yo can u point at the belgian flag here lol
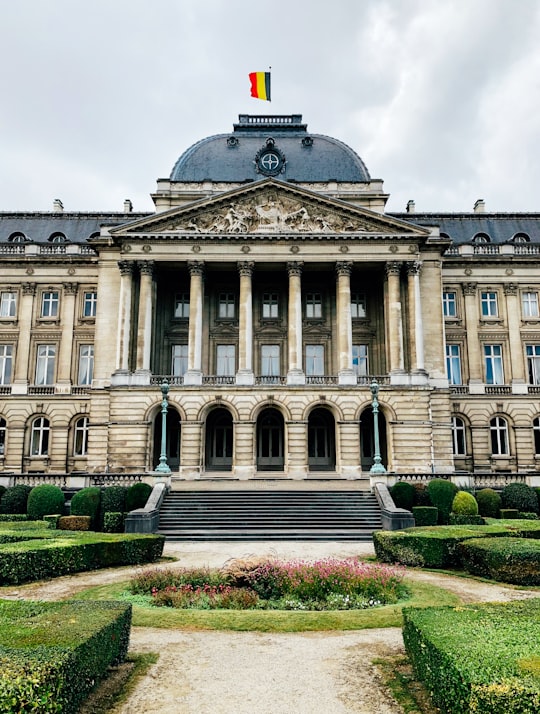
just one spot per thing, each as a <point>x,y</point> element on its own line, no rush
<point>260,85</point>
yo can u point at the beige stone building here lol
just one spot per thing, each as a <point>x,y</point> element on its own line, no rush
<point>269,289</point>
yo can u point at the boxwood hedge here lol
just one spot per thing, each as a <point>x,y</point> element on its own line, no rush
<point>509,560</point>
<point>51,654</point>
<point>477,658</point>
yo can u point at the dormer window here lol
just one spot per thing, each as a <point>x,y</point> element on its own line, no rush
<point>17,238</point>
<point>58,238</point>
<point>481,238</point>
<point>520,238</point>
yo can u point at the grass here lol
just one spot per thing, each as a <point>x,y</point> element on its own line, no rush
<point>399,678</point>
<point>422,595</point>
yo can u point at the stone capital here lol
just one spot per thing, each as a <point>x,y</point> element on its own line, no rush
<point>246,267</point>
<point>344,267</point>
<point>146,267</point>
<point>469,288</point>
<point>393,267</point>
<point>294,267</point>
<point>414,268</point>
<point>29,288</point>
<point>70,288</point>
<point>196,267</point>
<point>510,288</point>
<point>126,267</point>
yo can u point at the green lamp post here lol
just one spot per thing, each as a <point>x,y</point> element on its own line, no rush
<point>163,466</point>
<point>377,467</point>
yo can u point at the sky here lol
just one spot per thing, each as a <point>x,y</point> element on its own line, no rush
<point>440,98</point>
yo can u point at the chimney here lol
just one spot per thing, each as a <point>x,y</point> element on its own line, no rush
<point>128,206</point>
<point>410,206</point>
<point>58,206</point>
<point>480,206</point>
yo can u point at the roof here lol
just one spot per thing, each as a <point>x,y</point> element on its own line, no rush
<point>76,227</point>
<point>301,156</point>
<point>463,227</point>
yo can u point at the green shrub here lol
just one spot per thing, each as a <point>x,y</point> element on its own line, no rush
<point>489,503</point>
<point>425,515</point>
<point>52,520</point>
<point>509,513</point>
<point>15,499</point>
<point>12,517</point>
<point>464,504</point>
<point>442,494</point>
<point>471,657</point>
<point>460,519</point>
<point>86,503</point>
<point>113,499</point>
<point>113,522</point>
<point>137,496</point>
<point>2,491</point>
<point>529,516</point>
<point>537,491</point>
<point>421,495</point>
<point>402,494</point>
<point>519,496</point>
<point>44,500</point>
<point>507,560</point>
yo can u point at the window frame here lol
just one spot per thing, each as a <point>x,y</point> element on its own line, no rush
<point>448,301</point>
<point>6,363</point>
<point>498,427</point>
<point>453,364</point>
<point>489,306</point>
<point>181,306</point>
<point>532,309</point>
<point>490,364</point>
<point>361,368</point>
<point>313,303</point>
<point>226,305</point>
<point>178,360</point>
<point>89,300</point>
<point>40,437</point>
<point>10,302</point>
<point>270,304</point>
<point>225,363</point>
<point>270,364</point>
<point>80,436</point>
<point>88,371</point>
<point>48,361</point>
<point>50,306</point>
<point>358,305</point>
<point>459,436</point>
<point>315,362</point>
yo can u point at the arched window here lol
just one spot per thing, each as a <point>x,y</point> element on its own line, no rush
<point>17,237</point>
<point>481,238</point>
<point>520,238</point>
<point>3,430</point>
<point>498,427</point>
<point>58,238</point>
<point>39,442</point>
<point>536,432</point>
<point>80,440</point>
<point>459,441</point>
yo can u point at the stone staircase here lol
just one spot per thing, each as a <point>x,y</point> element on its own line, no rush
<point>256,515</point>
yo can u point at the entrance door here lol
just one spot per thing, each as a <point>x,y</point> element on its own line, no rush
<point>321,441</point>
<point>270,441</point>
<point>172,443</point>
<point>219,440</point>
<point>367,439</point>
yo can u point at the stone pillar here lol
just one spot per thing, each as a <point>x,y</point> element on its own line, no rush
<point>191,446</point>
<point>245,344</point>
<point>346,374</point>
<point>295,374</point>
<point>66,344</point>
<point>193,375</point>
<point>146,311</point>
<point>20,376</point>
<point>244,450</point>
<point>471,326</point>
<point>394,321</point>
<point>513,315</point>
<point>416,329</point>
<point>124,315</point>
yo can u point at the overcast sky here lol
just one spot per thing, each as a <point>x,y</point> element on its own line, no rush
<point>441,98</point>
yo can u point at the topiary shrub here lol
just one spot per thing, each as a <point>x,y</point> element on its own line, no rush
<point>113,522</point>
<point>442,494</point>
<point>86,503</point>
<point>425,515</point>
<point>464,504</point>
<point>137,496</point>
<point>461,519</point>
<point>421,495</point>
<point>520,496</point>
<point>489,503</point>
<point>44,500</point>
<point>15,499</point>
<point>113,500</point>
<point>509,513</point>
<point>402,494</point>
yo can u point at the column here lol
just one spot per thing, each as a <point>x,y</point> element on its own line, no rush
<point>394,321</point>
<point>346,374</point>
<point>245,341</point>
<point>471,326</point>
<point>194,370</point>
<point>146,311</point>
<point>124,315</point>
<point>513,315</point>
<point>20,376</point>
<point>66,343</point>
<point>295,374</point>
<point>416,329</point>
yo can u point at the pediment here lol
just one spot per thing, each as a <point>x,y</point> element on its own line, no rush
<point>270,207</point>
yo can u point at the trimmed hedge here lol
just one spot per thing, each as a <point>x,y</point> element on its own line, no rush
<point>519,496</point>
<point>86,502</point>
<point>44,500</point>
<point>425,515</point>
<point>508,560</point>
<point>15,499</point>
<point>74,523</point>
<point>489,503</point>
<point>51,654</point>
<point>458,519</point>
<point>137,496</point>
<point>113,522</point>
<point>509,513</point>
<point>474,658</point>
<point>113,500</point>
<point>442,494</point>
<point>11,517</point>
<point>403,494</point>
<point>464,504</point>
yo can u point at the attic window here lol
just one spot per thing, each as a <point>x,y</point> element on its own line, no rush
<point>17,238</point>
<point>520,238</point>
<point>481,238</point>
<point>58,238</point>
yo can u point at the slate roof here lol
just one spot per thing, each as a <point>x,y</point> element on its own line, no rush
<point>77,227</point>
<point>462,227</point>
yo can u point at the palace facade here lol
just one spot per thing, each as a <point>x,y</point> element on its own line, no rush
<point>269,289</point>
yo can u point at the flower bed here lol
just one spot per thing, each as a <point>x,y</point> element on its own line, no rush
<point>272,584</point>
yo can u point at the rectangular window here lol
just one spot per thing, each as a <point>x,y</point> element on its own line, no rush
<point>90,303</point>
<point>533,363</point>
<point>314,360</point>
<point>8,304</point>
<point>458,437</point>
<point>80,445</point>
<point>270,366</point>
<point>360,360</point>
<point>6,356</point>
<point>493,364</point>
<point>46,355</point>
<point>270,306</point>
<point>179,360</point>
<point>181,306</point>
<point>313,306</point>
<point>358,305</point>
<point>226,306</point>
<point>529,304</point>
<point>449,304</point>
<point>49,304</point>
<point>226,360</point>
<point>489,304</point>
<point>86,364</point>
<point>453,364</point>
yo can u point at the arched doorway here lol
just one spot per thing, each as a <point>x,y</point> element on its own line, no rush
<point>270,433</point>
<point>367,439</point>
<point>172,439</point>
<point>321,441</point>
<point>219,440</point>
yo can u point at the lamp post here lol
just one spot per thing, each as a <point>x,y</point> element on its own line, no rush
<point>163,467</point>
<point>377,467</point>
